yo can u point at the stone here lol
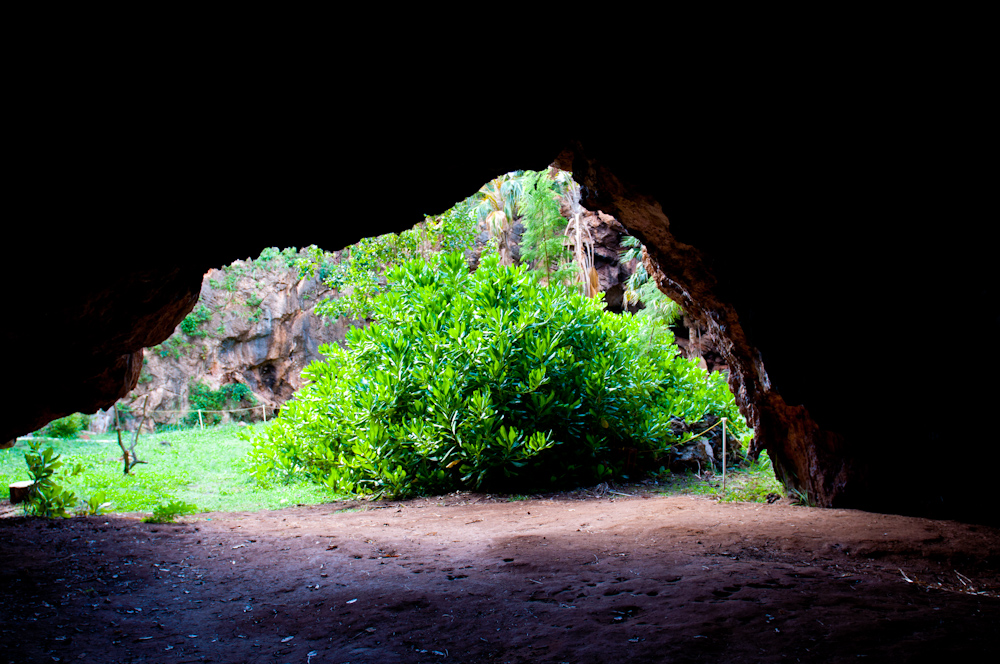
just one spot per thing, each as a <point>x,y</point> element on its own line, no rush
<point>265,346</point>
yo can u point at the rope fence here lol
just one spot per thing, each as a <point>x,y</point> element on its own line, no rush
<point>201,421</point>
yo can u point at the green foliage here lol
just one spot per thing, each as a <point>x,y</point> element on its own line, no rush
<point>754,483</point>
<point>66,427</point>
<point>313,261</point>
<point>232,277</point>
<point>96,504</point>
<point>206,467</point>
<point>48,498</point>
<point>273,258</point>
<point>360,276</point>
<point>174,347</point>
<point>170,511</point>
<point>484,381</point>
<point>498,206</point>
<point>228,397</point>
<point>641,289</point>
<point>544,227</point>
<point>192,322</point>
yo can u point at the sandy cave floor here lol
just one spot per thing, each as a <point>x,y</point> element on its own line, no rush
<point>467,578</point>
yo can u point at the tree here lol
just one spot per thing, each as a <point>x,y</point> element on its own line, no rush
<point>543,245</point>
<point>498,207</point>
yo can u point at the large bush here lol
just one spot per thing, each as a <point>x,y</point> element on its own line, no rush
<point>66,427</point>
<point>487,381</point>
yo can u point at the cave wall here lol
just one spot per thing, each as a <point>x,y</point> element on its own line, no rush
<point>805,457</point>
<point>788,237</point>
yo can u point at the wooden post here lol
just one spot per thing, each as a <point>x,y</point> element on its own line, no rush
<point>723,457</point>
<point>200,422</point>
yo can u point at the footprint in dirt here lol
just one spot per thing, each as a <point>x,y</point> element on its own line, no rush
<point>726,592</point>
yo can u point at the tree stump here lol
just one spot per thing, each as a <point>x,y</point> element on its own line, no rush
<point>19,491</point>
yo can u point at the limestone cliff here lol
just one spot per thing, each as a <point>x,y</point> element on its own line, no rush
<point>254,324</point>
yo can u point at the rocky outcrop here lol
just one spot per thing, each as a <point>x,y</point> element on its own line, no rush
<point>252,325</point>
<point>805,456</point>
<point>606,233</point>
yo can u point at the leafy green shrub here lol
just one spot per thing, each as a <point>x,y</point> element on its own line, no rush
<point>96,504</point>
<point>167,513</point>
<point>272,258</point>
<point>48,498</point>
<point>174,347</point>
<point>192,322</point>
<point>361,275</point>
<point>66,427</point>
<point>228,397</point>
<point>484,381</point>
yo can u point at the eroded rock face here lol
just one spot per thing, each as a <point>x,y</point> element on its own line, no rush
<point>606,233</point>
<point>804,456</point>
<point>262,332</point>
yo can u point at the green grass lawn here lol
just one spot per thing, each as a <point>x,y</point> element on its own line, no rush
<point>204,467</point>
<point>207,468</point>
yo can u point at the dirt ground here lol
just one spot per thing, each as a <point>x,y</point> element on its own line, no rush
<point>469,578</point>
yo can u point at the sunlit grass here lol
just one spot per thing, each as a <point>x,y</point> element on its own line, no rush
<point>752,483</point>
<point>204,467</point>
<point>207,468</point>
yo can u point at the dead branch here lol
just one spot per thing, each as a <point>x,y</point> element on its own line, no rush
<point>129,455</point>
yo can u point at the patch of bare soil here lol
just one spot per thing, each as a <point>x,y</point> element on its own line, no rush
<point>465,578</point>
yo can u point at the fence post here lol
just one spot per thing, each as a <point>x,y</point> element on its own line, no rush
<point>263,408</point>
<point>200,422</point>
<point>723,457</point>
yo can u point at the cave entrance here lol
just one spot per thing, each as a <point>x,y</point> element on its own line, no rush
<point>260,322</point>
<point>271,316</point>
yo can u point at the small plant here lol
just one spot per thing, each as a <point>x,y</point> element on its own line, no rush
<point>47,498</point>
<point>96,504</point>
<point>167,513</point>
<point>801,498</point>
<point>191,325</point>
<point>173,347</point>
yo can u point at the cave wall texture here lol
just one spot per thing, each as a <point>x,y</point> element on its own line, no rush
<point>821,247</point>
